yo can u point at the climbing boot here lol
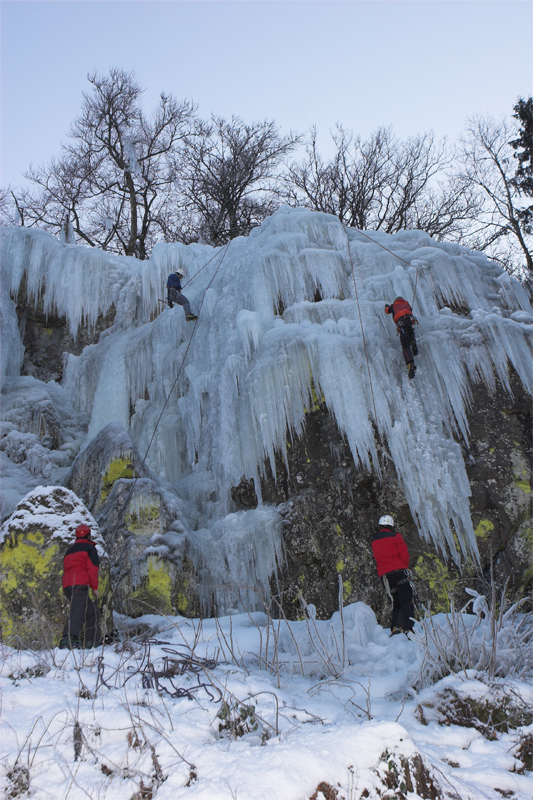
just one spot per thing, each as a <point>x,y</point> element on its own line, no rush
<point>69,643</point>
<point>395,631</point>
<point>414,348</point>
<point>411,369</point>
<point>190,317</point>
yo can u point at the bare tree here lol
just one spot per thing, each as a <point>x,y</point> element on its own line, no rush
<point>382,183</point>
<point>11,210</point>
<point>488,165</point>
<point>227,173</point>
<point>116,174</point>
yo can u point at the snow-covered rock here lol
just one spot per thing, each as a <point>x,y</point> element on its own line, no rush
<point>33,541</point>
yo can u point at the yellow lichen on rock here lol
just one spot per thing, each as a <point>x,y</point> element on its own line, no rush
<point>435,574</point>
<point>118,468</point>
<point>144,518</point>
<point>483,528</point>
<point>153,596</point>
<point>30,594</point>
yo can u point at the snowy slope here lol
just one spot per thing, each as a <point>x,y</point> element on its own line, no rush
<point>98,726</point>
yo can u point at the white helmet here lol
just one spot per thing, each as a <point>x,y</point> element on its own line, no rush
<point>386,520</point>
<point>179,272</point>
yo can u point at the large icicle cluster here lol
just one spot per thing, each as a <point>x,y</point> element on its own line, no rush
<point>281,314</point>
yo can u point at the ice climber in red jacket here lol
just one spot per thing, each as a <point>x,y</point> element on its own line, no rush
<point>402,314</point>
<point>80,573</point>
<point>392,562</point>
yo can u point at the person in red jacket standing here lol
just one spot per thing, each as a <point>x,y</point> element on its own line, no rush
<point>80,573</point>
<point>392,562</point>
<point>402,314</point>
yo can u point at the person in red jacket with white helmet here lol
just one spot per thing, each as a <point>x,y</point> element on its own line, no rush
<point>402,314</point>
<point>392,562</point>
<point>80,573</point>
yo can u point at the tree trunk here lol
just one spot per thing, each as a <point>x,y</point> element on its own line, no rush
<point>233,229</point>
<point>132,241</point>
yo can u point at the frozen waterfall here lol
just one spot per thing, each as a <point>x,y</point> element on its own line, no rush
<point>280,317</point>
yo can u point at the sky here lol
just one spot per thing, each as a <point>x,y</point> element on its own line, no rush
<point>417,65</point>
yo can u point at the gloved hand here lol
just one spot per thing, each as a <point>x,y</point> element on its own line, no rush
<point>387,309</point>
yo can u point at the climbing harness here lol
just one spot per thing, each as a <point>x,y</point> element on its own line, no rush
<point>399,324</point>
<point>408,579</point>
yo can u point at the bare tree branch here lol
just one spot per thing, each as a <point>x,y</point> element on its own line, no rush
<point>487,164</point>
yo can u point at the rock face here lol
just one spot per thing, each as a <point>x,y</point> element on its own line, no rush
<point>47,339</point>
<point>132,510</point>
<point>33,541</point>
<point>331,509</point>
<point>499,470</point>
<point>251,370</point>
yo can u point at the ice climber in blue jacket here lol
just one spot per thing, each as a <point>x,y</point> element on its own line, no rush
<point>174,294</point>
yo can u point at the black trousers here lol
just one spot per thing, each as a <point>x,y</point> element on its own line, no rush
<point>402,599</point>
<point>407,335</point>
<point>82,611</point>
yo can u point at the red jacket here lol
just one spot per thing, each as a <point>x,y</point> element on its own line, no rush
<point>80,565</point>
<point>399,309</point>
<point>390,551</point>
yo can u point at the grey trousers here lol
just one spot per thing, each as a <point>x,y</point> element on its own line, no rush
<point>177,297</point>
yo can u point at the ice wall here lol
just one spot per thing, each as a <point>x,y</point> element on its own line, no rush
<point>278,314</point>
<point>12,349</point>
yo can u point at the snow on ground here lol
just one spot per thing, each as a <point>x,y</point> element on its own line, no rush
<point>106,724</point>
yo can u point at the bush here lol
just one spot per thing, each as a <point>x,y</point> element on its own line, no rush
<point>495,640</point>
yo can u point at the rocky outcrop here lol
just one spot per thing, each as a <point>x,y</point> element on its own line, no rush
<point>132,510</point>
<point>331,508</point>
<point>47,339</point>
<point>33,541</point>
<point>251,373</point>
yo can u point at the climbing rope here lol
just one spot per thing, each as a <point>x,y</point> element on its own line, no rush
<point>392,254</point>
<point>138,471</point>
<point>114,531</point>
<point>185,354</point>
<point>380,459</point>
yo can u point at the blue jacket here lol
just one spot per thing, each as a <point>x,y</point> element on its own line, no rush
<point>174,282</point>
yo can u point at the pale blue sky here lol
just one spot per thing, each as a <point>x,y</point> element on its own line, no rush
<point>414,64</point>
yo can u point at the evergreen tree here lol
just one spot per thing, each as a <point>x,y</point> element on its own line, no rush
<point>523,146</point>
